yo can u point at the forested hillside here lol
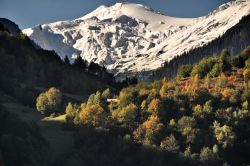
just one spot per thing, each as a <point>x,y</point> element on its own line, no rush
<point>25,69</point>
<point>199,118</point>
<point>55,113</point>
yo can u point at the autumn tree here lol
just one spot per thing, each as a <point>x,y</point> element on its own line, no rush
<point>69,112</point>
<point>164,90</point>
<point>246,75</point>
<point>155,107</point>
<point>92,114</point>
<point>149,131</point>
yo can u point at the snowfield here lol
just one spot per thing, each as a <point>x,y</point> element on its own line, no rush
<point>129,38</point>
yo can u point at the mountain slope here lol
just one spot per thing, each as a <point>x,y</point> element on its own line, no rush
<point>129,38</point>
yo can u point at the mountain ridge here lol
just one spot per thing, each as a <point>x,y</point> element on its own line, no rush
<point>130,43</point>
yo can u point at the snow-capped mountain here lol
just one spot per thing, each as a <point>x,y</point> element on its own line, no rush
<point>129,38</point>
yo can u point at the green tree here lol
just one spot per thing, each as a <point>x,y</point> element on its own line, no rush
<point>126,115</point>
<point>207,81</point>
<point>203,112</point>
<point>187,128</point>
<point>55,98</point>
<point>185,71</point>
<point>49,101</point>
<point>223,134</point>
<point>106,94</point>
<point>97,98</point>
<point>225,60</point>
<point>216,70</point>
<point>66,60</point>
<point>203,67</point>
<point>91,99</point>
<point>245,54</point>
<point>128,96</point>
<point>221,82</point>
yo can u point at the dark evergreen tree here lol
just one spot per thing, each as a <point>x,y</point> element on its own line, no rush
<point>66,60</point>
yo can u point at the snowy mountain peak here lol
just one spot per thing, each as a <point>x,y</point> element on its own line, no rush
<point>128,38</point>
<point>118,9</point>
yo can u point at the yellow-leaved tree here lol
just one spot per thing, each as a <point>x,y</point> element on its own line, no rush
<point>92,114</point>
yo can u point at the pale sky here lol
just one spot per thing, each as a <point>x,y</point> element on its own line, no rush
<point>28,13</point>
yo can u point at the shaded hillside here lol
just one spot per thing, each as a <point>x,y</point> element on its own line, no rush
<point>10,26</point>
<point>21,142</point>
<point>24,69</point>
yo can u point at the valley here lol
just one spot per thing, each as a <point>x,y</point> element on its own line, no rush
<point>127,86</point>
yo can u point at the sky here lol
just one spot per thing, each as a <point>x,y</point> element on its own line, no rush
<point>28,13</point>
